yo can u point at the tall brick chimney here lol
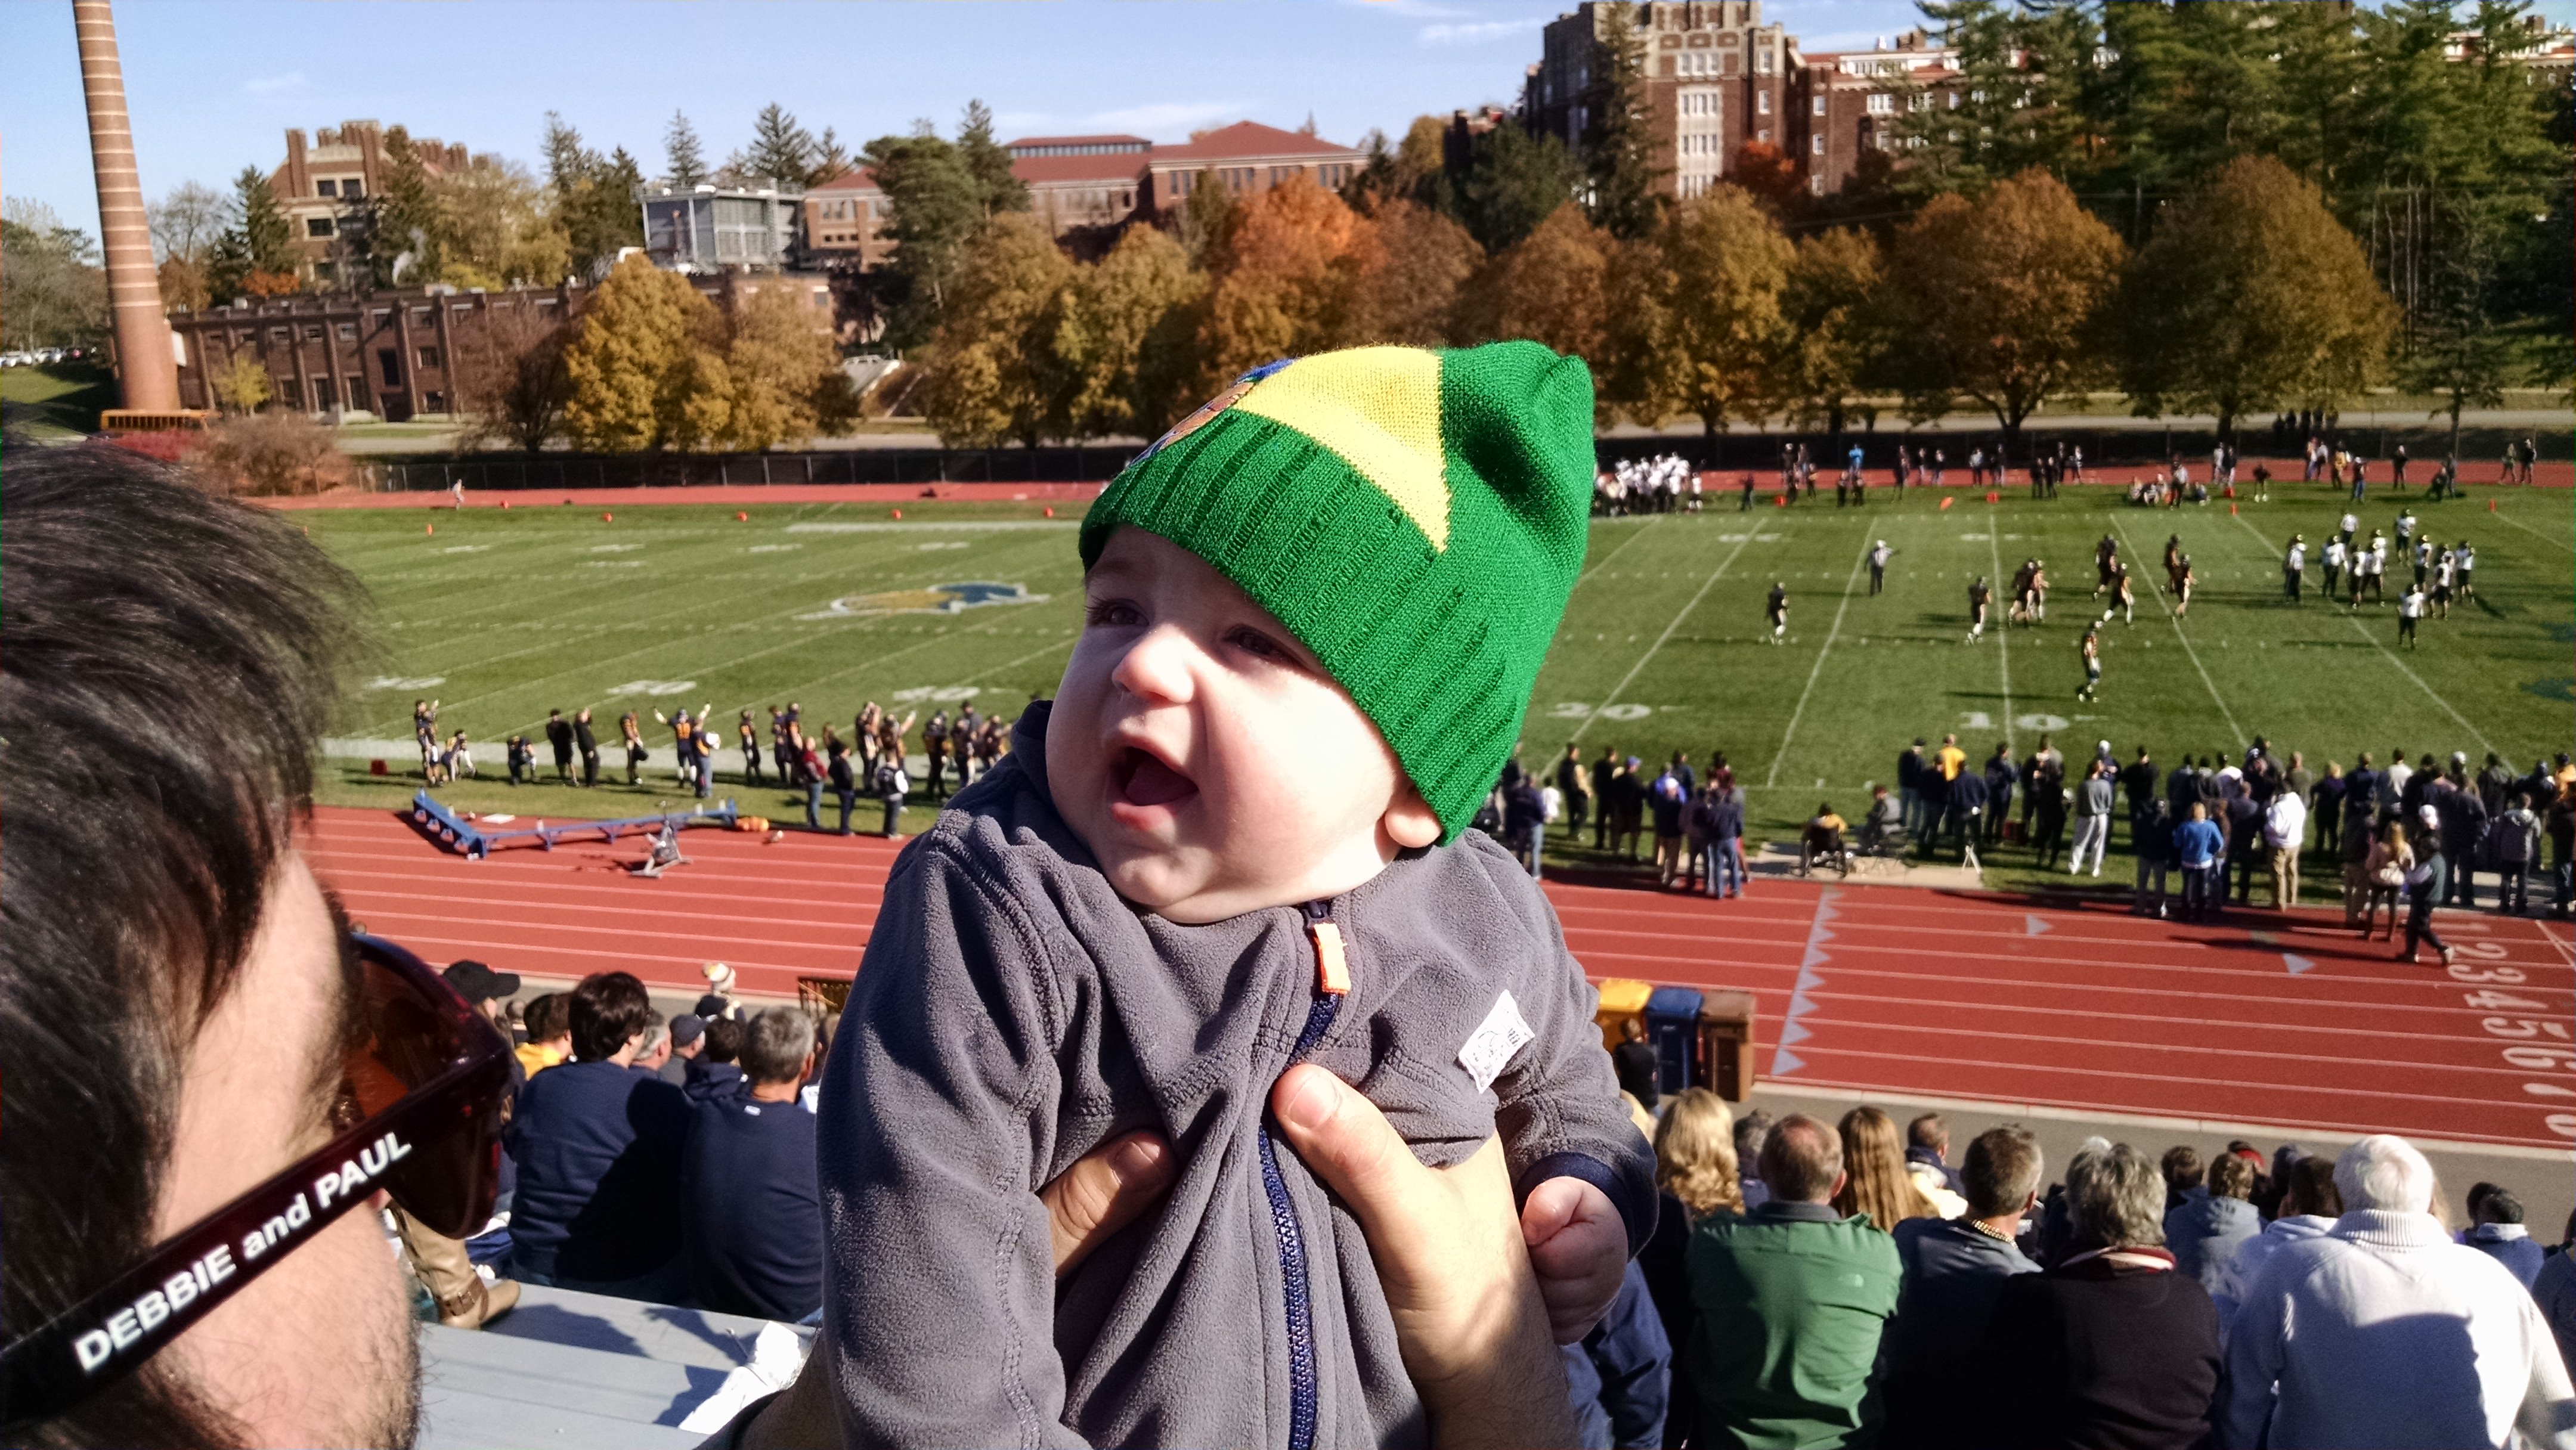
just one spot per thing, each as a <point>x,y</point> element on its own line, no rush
<point>147,369</point>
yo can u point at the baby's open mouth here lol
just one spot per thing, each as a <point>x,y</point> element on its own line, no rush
<point>1143,780</point>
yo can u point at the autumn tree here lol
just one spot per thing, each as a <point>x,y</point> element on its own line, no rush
<point>785,376</point>
<point>185,223</point>
<point>1768,175</point>
<point>646,368</point>
<point>1413,292</point>
<point>495,228</point>
<point>2001,299</point>
<point>1292,280</point>
<point>1125,338</point>
<point>241,385</point>
<point>2251,296</point>
<point>515,387</point>
<point>1207,219</point>
<point>1555,288</point>
<point>255,255</point>
<point>1619,146</point>
<point>1834,338</point>
<point>938,193</point>
<point>996,373</point>
<point>1709,329</point>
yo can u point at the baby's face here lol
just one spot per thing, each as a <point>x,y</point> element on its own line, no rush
<point>1204,755</point>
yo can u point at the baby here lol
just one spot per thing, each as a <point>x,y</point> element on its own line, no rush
<point>1314,612</point>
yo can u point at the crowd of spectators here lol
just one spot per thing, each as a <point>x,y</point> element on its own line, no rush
<point>1817,1285</point>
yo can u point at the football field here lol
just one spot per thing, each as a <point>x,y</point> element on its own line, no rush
<point>502,614</point>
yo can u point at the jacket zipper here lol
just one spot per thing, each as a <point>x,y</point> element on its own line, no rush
<point>1332,980</point>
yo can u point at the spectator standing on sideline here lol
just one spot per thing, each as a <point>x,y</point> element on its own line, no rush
<point>845,781</point>
<point>2092,818</point>
<point>2109,1346</point>
<point>2002,777</point>
<point>1726,870</point>
<point>2151,836</point>
<point>1792,1300</point>
<point>1664,801</point>
<point>892,785</point>
<point>1909,786</point>
<point>1953,1271</point>
<point>586,741</point>
<point>2197,844</point>
<point>1604,772</point>
<point>598,1148</point>
<point>2214,1220</point>
<point>1524,817</point>
<point>2309,1207</point>
<point>1967,805</point>
<point>751,1209</point>
<point>1575,785</point>
<point>559,735</point>
<point>2423,879</point>
<point>2285,826</point>
<point>2385,1332</point>
<point>632,732</point>
<point>2517,848</point>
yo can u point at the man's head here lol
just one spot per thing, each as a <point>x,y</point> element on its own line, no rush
<point>2308,1187</point>
<point>1752,1130</point>
<point>2118,1202</point>
<point>2002,1171</point>
<point>2199,812</point>
<point>724,1040</point>
<point>2499,1206</point>
<point>610,1013</point>
<point>655,1049</point>
<point>688,1035</point>
<point>176,991</point>
<point>2384,1172</point>
<point>2181,1165</point>
<point>486,990</point>
<point>549,1022</point>
<point>1802,1160</point>
<point>1928,1131</point>
<point>2230,1177</point>
<point>1314,611</point>
<point>1632,1029</point>
<point>777,1046</point>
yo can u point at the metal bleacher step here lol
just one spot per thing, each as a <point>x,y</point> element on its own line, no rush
<point>581,1371</point>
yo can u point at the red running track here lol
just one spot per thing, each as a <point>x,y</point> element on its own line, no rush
<point>736,495</point>
<point>2272,1020</point>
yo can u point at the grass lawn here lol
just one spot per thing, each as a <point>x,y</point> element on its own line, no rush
<point>59,400</point>
<point>503,614</point>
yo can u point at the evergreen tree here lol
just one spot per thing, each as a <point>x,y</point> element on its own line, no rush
<point>782,152</point>
<point>1513,182</point>
<point>996,185</point>
<point>684,163</point>
<point>256,253</point>
<point>1619,143</point>
<point>404,245</point>
<point>933,203</point>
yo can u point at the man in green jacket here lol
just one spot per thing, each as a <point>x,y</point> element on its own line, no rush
<point>1791,1301</point>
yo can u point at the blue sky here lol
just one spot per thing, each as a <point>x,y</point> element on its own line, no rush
<point>213,86</point>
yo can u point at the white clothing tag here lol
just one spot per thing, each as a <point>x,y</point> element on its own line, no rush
<point>1490,1047</point>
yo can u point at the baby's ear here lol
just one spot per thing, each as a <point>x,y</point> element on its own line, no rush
<point>1409,820</point>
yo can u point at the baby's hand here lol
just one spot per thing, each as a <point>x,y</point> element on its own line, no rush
<point>1579,1248</point>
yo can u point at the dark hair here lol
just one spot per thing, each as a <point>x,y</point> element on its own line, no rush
<point>724,1040</point>
<point>1927,1131</point>
<point>607,1009</point>
<point>2312,1187</point>
<point>2230,1176</point>
<point>172,660</point>
<point>2500,1206</point>
<point>2002,1168</point>
<point>1801,1158</point>
<point>548,1017</point>
<point>2182,1167</point>
<point>776,1044</point>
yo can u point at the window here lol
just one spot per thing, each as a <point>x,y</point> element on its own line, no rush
<point>348,331</point>
<point>323,271</point>
<point>313,332</point>
<point>389,364</point>
<point>384,315</point>
<point>428,356</point>
<point>326,187</point>
<point>318,226</point>
<point>1881,103</point>
<point>424,316</point>
<point>1763,135</point>
<point>281,334</point>
<point>1819,145</point>
<point>1954,100</point>
<point>357,387</point>
<point>433,402</point>
<point>1762,102</point>
<point>351,189</point>
<point>324,395</point>
<point>1820,105</point>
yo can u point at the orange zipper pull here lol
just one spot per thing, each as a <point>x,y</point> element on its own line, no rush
<point>1332,968</point>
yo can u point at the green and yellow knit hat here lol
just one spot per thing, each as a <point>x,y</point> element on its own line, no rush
<point>1416,517</point>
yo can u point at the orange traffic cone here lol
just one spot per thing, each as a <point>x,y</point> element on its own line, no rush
<point>898,513</point>
<point>740,517</point>
<point>2231,511</point>
<point>429,528</point>
<point>1050,513</point>
<point>1993,497</point>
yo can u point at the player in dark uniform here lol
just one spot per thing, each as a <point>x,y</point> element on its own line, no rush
<point>1776,609</point>
<point>2106,563</point>
<point>1981,596</point>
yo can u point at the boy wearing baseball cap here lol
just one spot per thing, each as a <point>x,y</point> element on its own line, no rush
<point>1235,841</point>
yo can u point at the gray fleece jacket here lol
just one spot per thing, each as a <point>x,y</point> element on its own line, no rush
<point>1013,1012</point>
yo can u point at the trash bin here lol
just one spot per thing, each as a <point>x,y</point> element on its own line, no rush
<point>1621,999</point>
<point>1672,1024</point>
<point>1726,1044</point>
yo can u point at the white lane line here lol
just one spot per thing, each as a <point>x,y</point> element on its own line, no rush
<point>2234,731</point>
<point>1634,670</point>
<point>2391,656</point>
<point>2501,515</point>
<point>1773,777</point>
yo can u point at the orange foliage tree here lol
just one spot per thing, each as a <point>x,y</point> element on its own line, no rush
<point>1290,278</point>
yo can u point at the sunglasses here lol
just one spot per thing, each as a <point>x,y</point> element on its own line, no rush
<point>419,1117</point>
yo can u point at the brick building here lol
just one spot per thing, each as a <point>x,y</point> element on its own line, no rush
<point>402,353</point>
<point>1716,79</point>
<point>1849,102</point>
<point>317,181</point>
<point>1246,158</point>
<point>1080,181</point>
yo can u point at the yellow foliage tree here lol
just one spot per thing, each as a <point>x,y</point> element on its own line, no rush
<point>646,369</point>
<point>1706,315</point>
<point>1554,287</point>
<point>242,385</point>
<point>1834,341</point>
<point>996,373</point>
<point>495,228</point>
<point>1125,333</point>
<point>1413,293</point>
<point>2003,298</point>
<point>783,372</point>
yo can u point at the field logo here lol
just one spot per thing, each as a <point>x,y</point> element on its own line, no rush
<point>937,599</point>
<point>653,687</point>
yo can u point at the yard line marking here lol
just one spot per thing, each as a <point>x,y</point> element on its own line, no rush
<point>2364,631</point>
<point>1633,670</point>
<point>2003,634</point>
<point>1615,553</point>
<point>2233,729</point>
<point>1773,778</point>
<point>2528,529</point>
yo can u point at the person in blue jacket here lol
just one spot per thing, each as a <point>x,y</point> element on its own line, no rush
<point>1619,1375</point>
<point>2197,845</point>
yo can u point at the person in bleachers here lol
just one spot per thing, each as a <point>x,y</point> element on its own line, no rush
<point>2385,1332</point>
<point>2111,1346</point>
<point>1696,1167</point>
<point>1616,1376</point>
<point>2497,1232</point>
<point>751,1211</point>
<point>598,1148</point>
<point>715,1073</point>
<point>1953,1270</point>
<point>2309,1206</point>
<point>2214,1220</point>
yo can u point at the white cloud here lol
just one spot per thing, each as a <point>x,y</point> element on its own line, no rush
<point>264,85</point>
<point>1476,32</point>
<point>1172,119</point>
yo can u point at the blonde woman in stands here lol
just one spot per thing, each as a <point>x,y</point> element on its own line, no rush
<point>1696,1167</point>
<point>1877,1182</point>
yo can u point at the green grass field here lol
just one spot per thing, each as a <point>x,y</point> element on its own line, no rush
<point>502,614</point>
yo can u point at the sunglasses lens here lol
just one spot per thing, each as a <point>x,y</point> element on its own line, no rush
<point>418,1032</point>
